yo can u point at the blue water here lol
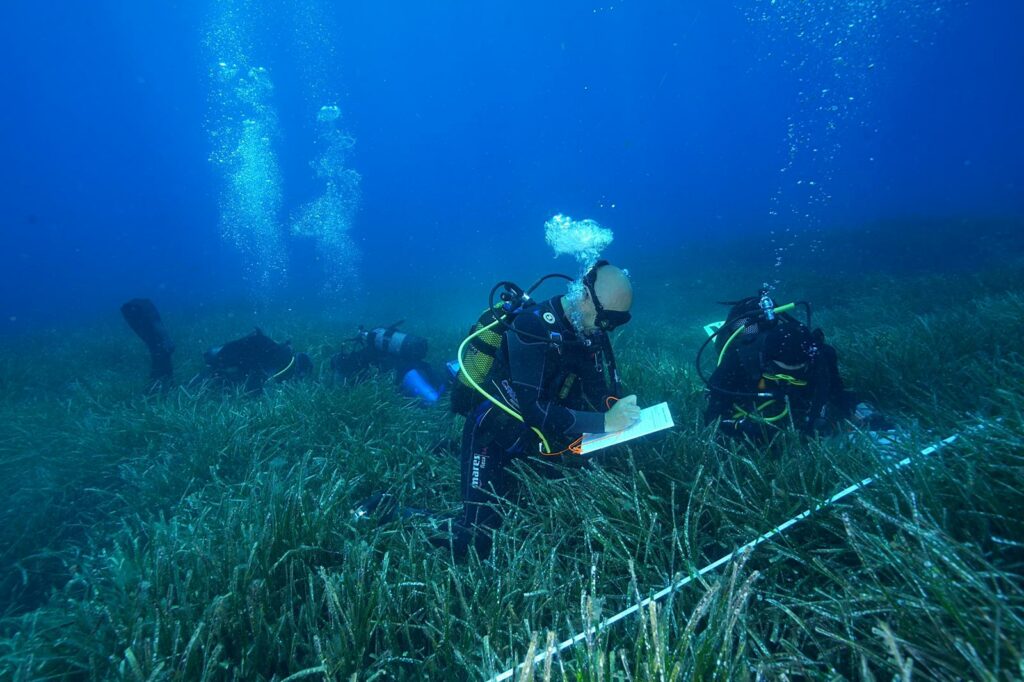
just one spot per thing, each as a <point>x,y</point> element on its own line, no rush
<point>671,123</point>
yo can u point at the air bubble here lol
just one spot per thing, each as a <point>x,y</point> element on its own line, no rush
<point>584,240</point>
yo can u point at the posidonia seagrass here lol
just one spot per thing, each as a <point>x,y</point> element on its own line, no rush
<point>210,536</point>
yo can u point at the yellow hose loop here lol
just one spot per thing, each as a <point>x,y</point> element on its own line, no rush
<point>786,378</point>
<point>740,412</point>
<point>286,368</point>
<point>781,309</point>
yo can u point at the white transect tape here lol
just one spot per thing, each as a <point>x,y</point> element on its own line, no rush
<point>658,596</point>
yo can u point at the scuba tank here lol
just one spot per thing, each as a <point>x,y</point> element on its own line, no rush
<point>484,337</point>
<point>477,360</point>
<point>390,341</point>
<point>746,320</point>
<point>754,329</point>
<point>388,349</point>
<point>380,346</point>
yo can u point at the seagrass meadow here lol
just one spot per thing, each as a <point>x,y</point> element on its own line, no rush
<point>200,535</point>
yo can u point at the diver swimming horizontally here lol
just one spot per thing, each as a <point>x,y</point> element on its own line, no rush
<point>255,359</point>
<point>250,361</point>
<point>386,349</point>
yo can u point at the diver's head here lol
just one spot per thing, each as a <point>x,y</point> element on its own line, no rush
<point>606,298</point>
<point>790,348</point>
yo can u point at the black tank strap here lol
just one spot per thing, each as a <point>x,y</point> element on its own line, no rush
<point>613,368</point>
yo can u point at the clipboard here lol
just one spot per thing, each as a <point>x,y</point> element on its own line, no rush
<point>652,419</point>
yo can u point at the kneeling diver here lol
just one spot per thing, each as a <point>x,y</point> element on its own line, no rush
<point>773,371</point>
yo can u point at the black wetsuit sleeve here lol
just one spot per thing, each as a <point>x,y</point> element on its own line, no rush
<point>528,352</point>
<point>727,384</point>
<point>832,390</point>
<point>725,381</point>
<point>835,382</point>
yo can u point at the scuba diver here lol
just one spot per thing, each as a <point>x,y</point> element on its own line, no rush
<point>773,371</point>
<point>250,361</point>
<point>532,381</point>
<point>254,360</point>
<point>144,319</point>
<point>386,349</point>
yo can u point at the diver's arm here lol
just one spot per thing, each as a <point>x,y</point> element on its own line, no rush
<point>724,380</point>
<point>829,359</point>
<point>527,355</point>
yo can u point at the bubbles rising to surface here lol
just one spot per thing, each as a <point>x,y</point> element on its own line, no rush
<point>244,131</point>
<point>249,206</point>
<point>328,113</point>
<point>243,127</point>
<point>584,240</point>
<point>833,50</point>
<point>328,219</point>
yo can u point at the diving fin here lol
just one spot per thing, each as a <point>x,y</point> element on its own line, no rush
<point>144,319</point>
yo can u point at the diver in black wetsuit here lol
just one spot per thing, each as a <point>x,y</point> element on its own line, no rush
<point>144,319</point>
<point>773,373</point>
<point>550,370</point>
<point>385,349</point>
<point>253,360</point>
<point>250,361</point>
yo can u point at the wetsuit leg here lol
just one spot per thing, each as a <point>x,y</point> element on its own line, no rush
<point>488,447</point>
<point>144,319</point>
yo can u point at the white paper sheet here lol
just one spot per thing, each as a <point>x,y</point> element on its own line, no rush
<point>654,418</point>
